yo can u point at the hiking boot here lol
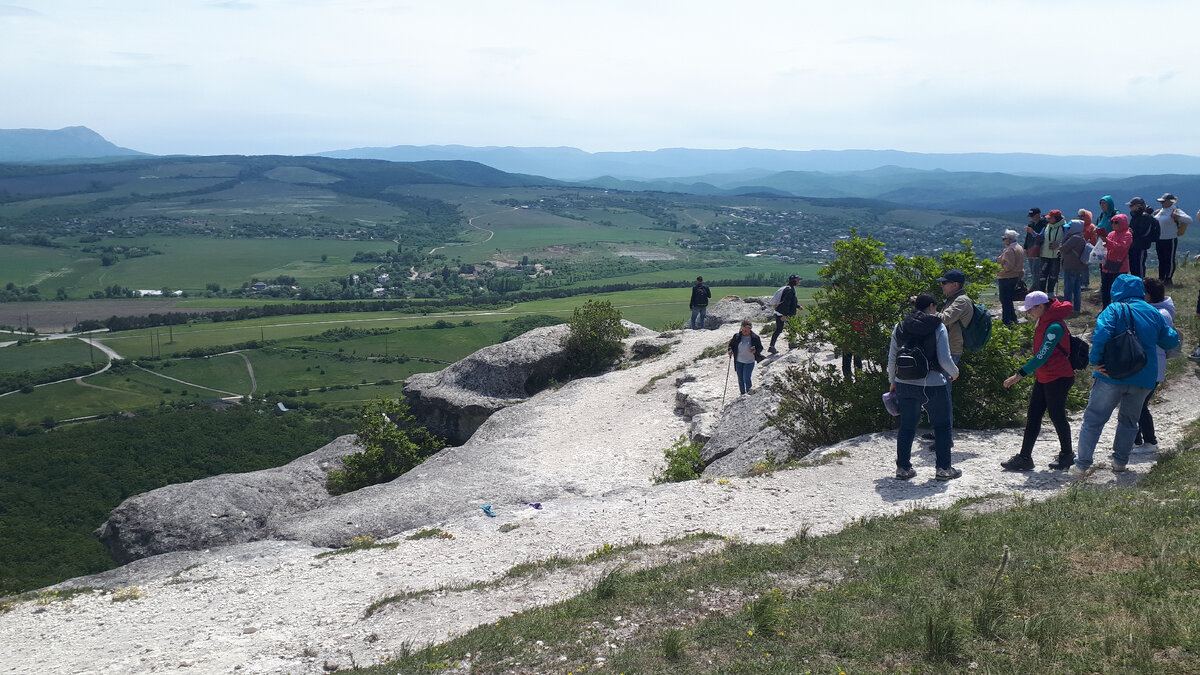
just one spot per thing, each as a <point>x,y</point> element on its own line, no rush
<point>948,474</point>
<point>905,474</point>
<point>1078,472</point>
<point>1118,467</point>
<point>1147,447</point>
<point>772,350</point>
<point>1018,463</point>
<point>1063,462</point>
<point>927,437</point>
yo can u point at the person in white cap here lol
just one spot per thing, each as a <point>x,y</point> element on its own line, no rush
<point>1054,376</point>
<point>1172,222</point>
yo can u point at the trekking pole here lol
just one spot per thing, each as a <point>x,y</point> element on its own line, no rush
<point>728,367</point>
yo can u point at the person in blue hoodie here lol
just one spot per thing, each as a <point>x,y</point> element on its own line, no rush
<point>1128,308</point>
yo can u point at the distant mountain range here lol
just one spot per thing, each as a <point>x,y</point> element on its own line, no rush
<point>68,143</point>
<point>983,182</point>
<point>573,164</point>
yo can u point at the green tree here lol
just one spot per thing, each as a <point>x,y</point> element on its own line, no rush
<point>392,441</point>
<point>595,338</point>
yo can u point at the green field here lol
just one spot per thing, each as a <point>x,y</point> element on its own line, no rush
<point>47,354</point>
<point>186,263</point>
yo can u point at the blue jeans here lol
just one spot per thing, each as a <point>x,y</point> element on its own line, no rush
<point>936,401</point>
<point>1073,288</point>
<point>702,312</point>
<point>1127,400</point>
<point>743,374</point>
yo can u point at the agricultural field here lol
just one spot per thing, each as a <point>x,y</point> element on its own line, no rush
<point>186,263</point>
<point>47,354</point>
<point>292,363</point>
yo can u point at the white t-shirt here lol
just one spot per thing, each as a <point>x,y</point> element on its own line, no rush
<point>1168,229</point>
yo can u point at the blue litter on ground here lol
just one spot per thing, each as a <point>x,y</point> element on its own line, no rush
<point>487,508</point>
<point>536,505</point>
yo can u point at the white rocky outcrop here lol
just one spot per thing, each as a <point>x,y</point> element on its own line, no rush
<point>585,453</point>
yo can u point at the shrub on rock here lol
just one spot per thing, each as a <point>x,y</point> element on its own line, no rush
<point>595,338</point>
<point>392,441</point>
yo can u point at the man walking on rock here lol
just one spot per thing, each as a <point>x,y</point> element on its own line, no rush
<point>785,303</point>
<point>699,302</point>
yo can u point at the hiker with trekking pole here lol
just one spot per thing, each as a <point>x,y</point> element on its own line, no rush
<point>745,349</point>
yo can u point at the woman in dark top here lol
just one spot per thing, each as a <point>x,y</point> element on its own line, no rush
<point>745,349</point>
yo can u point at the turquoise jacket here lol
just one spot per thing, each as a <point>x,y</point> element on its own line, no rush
<point>1129,305</point>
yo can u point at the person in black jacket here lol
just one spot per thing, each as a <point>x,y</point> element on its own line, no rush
<point>699,302</point>
<point>786,304</point>
<point>1145,229</point>
<point>745,349</point>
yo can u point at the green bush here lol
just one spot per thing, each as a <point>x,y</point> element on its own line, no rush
<point>818,407</point>
<point>859,303</point>
<point>595,338</point>
<point>392,444</point>
<point>682,462</point>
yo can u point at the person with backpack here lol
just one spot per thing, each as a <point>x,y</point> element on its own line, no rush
<point>1074,267</point>
<point>1173,222</point>
<point>745,348</point>
<point>1156,295</point>
<point>699,302</point>
<point>1126,364</point>
<point>919,369</point>
<point>1053,377</point>
<point>1116,261</point>
<point>957,313</point>
<point>785,304</point>
<point>1144,228</point>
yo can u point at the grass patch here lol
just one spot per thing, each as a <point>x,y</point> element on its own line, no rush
<point>363,543</point>
<point>646,388</point>
<point>1093,580</point>
<point>426,533</point>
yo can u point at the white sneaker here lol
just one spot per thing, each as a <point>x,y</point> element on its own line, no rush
<point>1078,472</point>
<point>1147,447</point>
<point>1118,467</point>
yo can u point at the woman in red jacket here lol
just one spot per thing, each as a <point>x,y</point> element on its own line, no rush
<point>1116,261</point>
<point>1051,365</point>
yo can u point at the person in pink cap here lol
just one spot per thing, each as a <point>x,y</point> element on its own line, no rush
<point>1051,368</point>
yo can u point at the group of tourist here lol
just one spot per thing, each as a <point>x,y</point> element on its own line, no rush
<point>927,344</point>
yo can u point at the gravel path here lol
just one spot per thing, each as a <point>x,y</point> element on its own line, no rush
<point>273,607</point>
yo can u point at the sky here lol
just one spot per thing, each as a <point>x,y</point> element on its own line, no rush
<point>302,76</point>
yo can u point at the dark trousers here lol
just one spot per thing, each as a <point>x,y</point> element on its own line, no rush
<point>1137,262</point>
<point>1106,282</point>
<point>1049,277</point>
<point>1146,423</point>
<point>1008,312</point>
<point>1166,249</point>
<point>847,359</point>
<point>780,322</point>
<point>1050,397</point>
<point>936,401</point>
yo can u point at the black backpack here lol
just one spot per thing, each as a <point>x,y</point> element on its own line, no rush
<point>1124,355</point>
<point>1080,349</point>
<point>911,361</point>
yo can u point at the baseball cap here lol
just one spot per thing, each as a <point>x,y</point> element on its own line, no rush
<point>794,277</point>
<point>1136,201</point>
<point>953,275</point>
<point>1035,211</point>
<point>1167,197</point>
<point>1033,299</point>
